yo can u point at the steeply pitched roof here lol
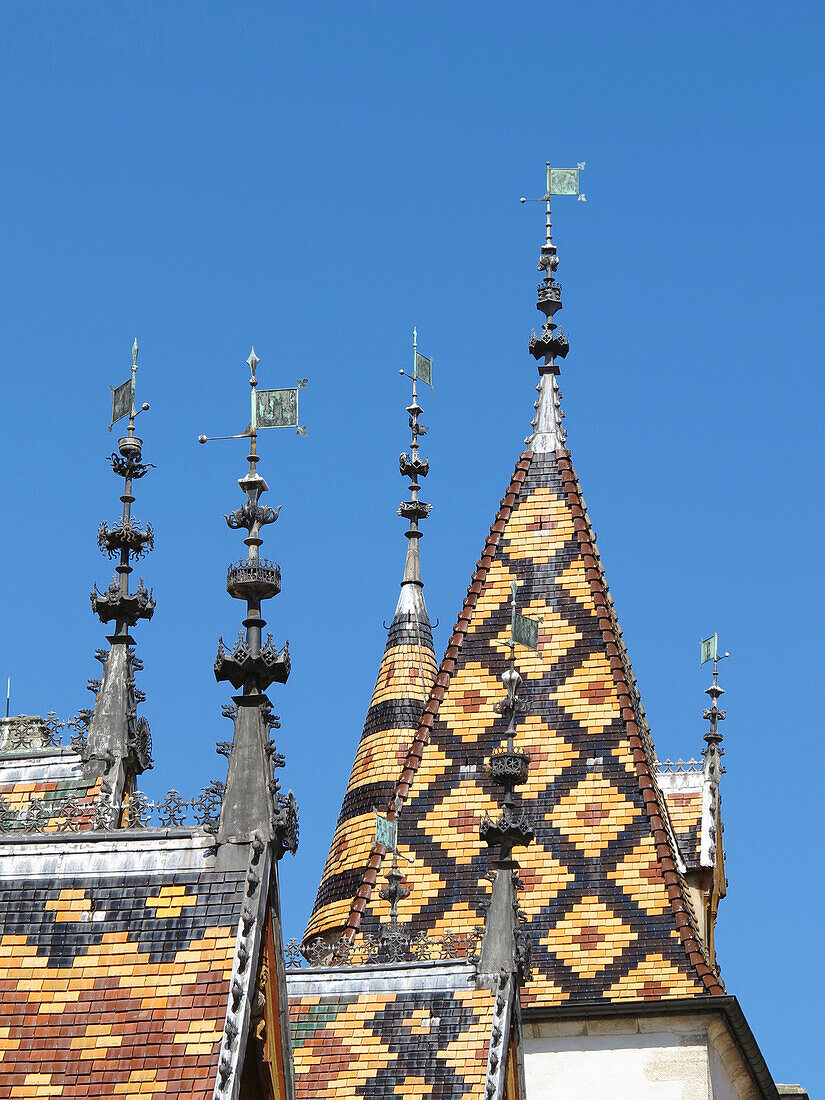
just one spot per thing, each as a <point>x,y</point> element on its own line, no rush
<point>399,1031</point>
<point>124,961</point>
<point>404,679</point>
<point>605,905</point>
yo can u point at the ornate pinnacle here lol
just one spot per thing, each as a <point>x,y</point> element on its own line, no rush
<point>125,538</point>
<point>713,714</point>
<point>411,465</point>
<point>394,939</point>
<point>115,731</point>
<point>508,768</point>
<point>253,666</point>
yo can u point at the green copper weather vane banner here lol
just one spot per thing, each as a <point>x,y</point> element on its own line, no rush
<point>708,649</point>
<point>525,631</point>
<point>564,181</point>
<point>279,408</point>
<point>386,832</point>
<point>122,398</point>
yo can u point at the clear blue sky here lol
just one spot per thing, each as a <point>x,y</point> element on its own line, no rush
<point>315,179</point>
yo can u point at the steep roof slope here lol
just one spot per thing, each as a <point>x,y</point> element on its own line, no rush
<point>118,954</point>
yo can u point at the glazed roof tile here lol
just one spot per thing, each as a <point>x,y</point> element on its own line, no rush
<point>381,1044</point>
<point>405,677</point>
<point>117,955</point>
<point>606,907</point>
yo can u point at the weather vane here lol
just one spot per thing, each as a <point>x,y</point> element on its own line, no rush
<point>123,397</point>
<point>269,409</point>
<point>560,181</point>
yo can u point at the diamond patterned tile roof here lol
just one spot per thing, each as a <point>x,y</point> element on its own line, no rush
<point>117,957</point>
<point>605,904</point>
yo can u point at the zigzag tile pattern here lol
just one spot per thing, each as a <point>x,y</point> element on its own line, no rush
<point>124,978</point>
<point>405,677</point>
<point>381,1045</point>
<point>604,904</point>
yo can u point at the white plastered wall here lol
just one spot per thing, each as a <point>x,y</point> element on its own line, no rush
<point>635,1058</point>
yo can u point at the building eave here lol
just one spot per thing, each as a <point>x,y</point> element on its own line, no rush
<point>726,1005</point>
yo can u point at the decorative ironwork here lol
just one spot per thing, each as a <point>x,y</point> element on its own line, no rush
<point>172,809</point>
<point>285,823</point>
<point>25,732</point>
<point>252,514</point>
<point>258,578</point>
<point>268,666</point>
<point>207,806</point>
<point>507,767</point>
<point>106,809</point>
<point>369,950</point>
<point>113,604</point>
<point>126,534</point>
<point>675,766</point>
<point>138,810</point>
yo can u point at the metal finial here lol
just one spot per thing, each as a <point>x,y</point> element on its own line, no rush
<point>709,651</point>
<point>254,664</point>
<point>134,353</point>
<point>411,465</point>
<point>552,344</point>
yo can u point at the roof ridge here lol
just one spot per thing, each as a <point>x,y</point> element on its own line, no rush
<point>369,876</point>
<point>638,731</point>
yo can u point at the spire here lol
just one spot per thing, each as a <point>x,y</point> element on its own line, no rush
<point>251,801</point>
<point>118,741</point>
<point>548,432</point>
<point>404,680</point>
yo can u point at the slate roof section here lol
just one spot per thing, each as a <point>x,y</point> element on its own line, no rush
<point>122,971</point>
<point>605,904</point>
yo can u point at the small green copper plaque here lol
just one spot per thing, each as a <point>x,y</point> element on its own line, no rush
<point>278,408</point>
<point>385,832</point>
<point>423,369</point>
<point>525,631</point>
<point>564,181</point>
<point>121,402</point>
